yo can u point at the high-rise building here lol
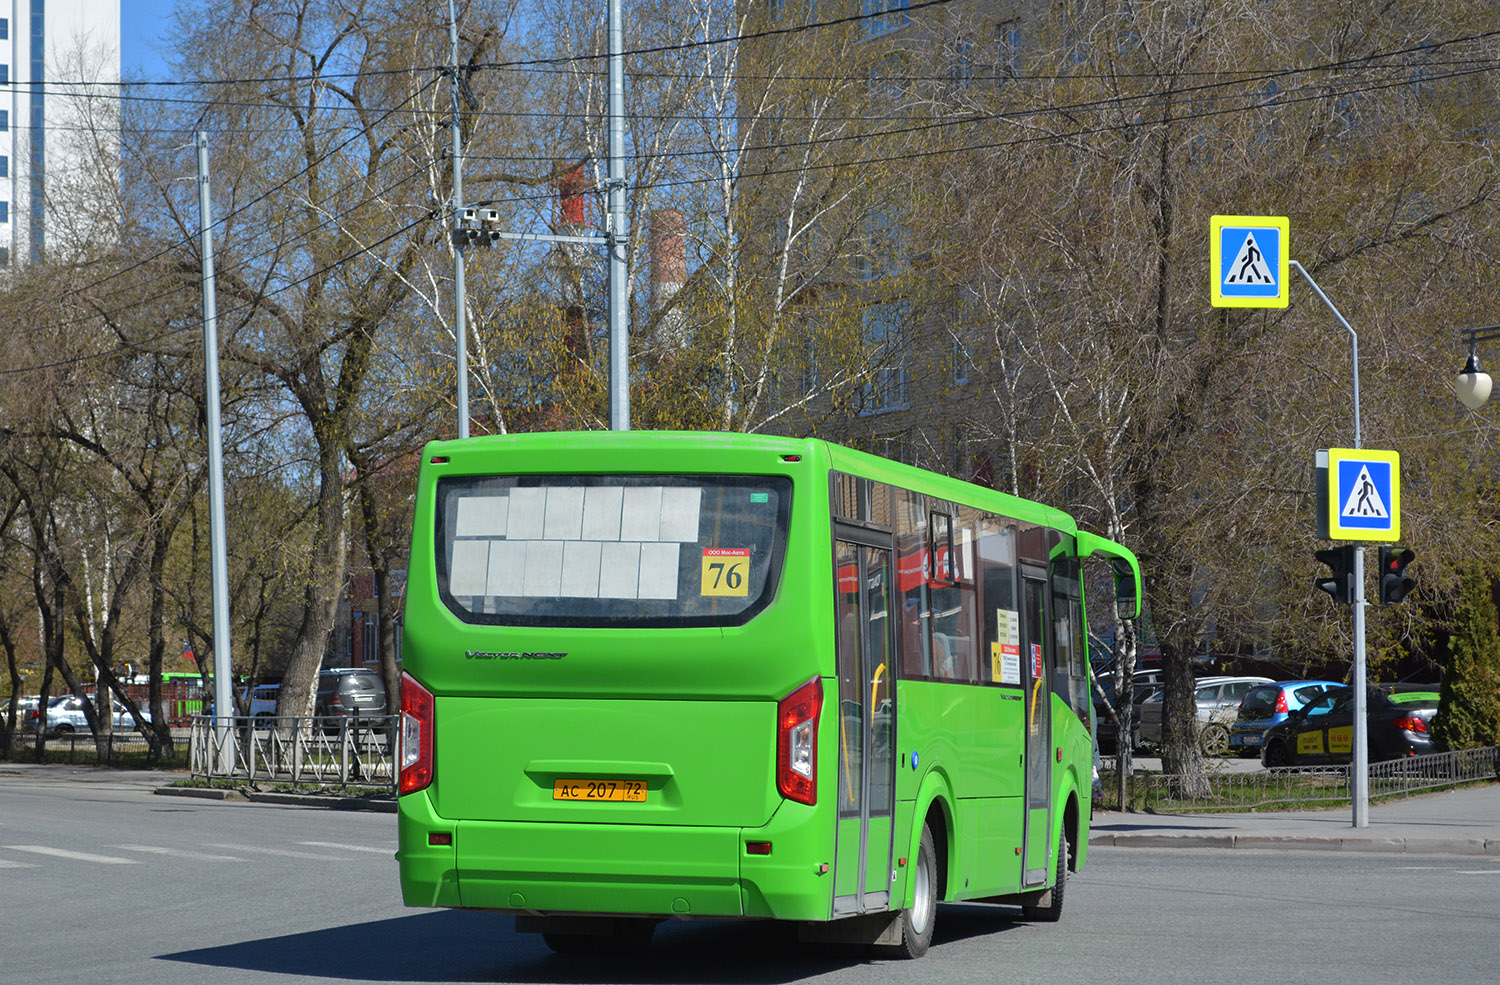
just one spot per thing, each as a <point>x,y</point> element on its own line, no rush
<point>59,123</point>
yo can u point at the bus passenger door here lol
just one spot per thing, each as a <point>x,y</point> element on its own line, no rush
<point>1036,665</point>
<point>867,727</point>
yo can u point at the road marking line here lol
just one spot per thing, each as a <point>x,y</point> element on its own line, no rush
<point>178,853</point>
<point>6,864</point>
<point>348,848</point>
<point>283,852</point>
<point>75,856</point>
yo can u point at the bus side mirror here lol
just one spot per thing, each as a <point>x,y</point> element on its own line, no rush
<point>1125,600</point>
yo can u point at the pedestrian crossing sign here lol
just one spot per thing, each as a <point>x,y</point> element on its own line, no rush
<point>1364,494</point>
<point>1249,261</point>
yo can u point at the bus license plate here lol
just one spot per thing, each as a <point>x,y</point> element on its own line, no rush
<point>579,788</point>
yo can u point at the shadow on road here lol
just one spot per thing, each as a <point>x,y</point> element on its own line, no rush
<point>456,946</point>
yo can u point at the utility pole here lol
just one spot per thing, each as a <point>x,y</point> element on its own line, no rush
<point>618,234</point>
<point>616,238</point>
<point>219,568</point>
<point>459,328</point>
<point>1359,768</point>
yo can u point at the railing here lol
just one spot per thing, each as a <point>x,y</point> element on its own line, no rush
<point>121,748</point>
<point>1294,786</point>
<point>331,751</point>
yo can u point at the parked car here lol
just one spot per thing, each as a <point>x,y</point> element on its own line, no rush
<point>1398,718</point>
<point>349,691</point>
<point>65,714</point>
<point>1217,699</point>
<point>1270,704</point>
<point>262,699</point>
<point>32,719</point>
<point>1144,684</point>
<point>25,705</point>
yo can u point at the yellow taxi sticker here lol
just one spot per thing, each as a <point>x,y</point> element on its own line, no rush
<point>1341,739</point>
<point>1310,744</point>
<point>726,571</point>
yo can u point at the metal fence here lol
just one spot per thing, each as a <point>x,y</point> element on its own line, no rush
<point>82,749</point>
<point>333,751</point>
<point>1293,786</point>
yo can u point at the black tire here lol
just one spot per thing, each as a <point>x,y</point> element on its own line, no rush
<point>918,920</point>
<point>1049,910</point>
<point>1275,754</point>
<point>64,729</point>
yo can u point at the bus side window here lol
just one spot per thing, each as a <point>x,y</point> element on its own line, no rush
<point>1069,678</point>
<point>955,611</point>
<point>912,567</point>
<point>997,575</point>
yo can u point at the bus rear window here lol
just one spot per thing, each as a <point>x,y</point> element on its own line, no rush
<point>591,550</point>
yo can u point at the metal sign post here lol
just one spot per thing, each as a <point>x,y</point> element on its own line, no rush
<point>1359,768</point>
<point>1250,260</point>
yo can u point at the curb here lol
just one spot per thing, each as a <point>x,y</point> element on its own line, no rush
<point>1399,846</point>
<point>376,805</point>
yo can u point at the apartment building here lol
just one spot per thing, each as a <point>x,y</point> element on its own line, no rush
<point>59,123</point>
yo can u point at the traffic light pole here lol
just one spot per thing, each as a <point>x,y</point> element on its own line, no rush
<point>1359,769</point>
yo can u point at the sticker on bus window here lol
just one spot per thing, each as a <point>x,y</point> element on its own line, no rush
<point>1038,664</point>
<point>1005,654</point>
<point>726,571</point>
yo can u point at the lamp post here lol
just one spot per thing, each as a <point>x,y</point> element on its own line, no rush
<point>1473,383</point>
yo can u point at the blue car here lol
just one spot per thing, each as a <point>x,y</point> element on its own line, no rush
<point>1270,704</point>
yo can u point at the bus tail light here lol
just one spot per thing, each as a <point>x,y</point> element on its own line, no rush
<point>416,735</point>
<point>797,742</point>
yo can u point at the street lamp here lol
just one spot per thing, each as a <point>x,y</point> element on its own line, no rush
<point>1473,383</point>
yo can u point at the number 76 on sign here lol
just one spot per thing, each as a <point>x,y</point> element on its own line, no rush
<point>726,571</point>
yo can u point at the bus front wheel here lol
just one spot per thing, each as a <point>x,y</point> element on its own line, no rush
<point>918,920</point>
<point>1049,910</point>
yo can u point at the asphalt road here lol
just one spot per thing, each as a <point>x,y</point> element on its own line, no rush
<point>102,882</point>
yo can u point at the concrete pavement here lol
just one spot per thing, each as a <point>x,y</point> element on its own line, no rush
<point>1453,822</point>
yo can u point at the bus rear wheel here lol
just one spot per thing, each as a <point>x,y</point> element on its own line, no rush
<point>917,921</point>
<point>1049,910</point>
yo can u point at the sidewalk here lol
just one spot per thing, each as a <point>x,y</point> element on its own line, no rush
<point>1454,822</point>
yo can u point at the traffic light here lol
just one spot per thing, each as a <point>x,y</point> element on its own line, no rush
<point>1340,582</point>
<point>1395,583</point>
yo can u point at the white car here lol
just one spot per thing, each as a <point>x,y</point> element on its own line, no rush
<point>1217,698</point>
<point>66,715</point>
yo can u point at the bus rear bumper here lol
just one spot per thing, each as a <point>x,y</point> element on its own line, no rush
<point>592,868</point>
<point>650,870</point>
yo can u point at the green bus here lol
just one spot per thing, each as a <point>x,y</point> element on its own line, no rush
<point>658,675</point>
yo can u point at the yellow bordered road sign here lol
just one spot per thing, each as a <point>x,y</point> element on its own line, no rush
<point>1364,494</point>
<point>1249,261</point>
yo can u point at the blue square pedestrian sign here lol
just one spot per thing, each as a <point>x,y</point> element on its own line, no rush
<point>1364,494</point>
<point>1249,261</point>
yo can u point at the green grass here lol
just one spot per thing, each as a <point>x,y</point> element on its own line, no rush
<point>315,789</point>
<point>1246,793</point>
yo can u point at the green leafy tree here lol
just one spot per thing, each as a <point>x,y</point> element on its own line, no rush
<point>1469,713</point>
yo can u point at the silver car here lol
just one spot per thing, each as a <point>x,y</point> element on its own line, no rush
<point>1218,700</point>
<point>65,714</point>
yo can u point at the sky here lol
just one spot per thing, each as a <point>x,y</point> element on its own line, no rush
<point>142,23</point>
